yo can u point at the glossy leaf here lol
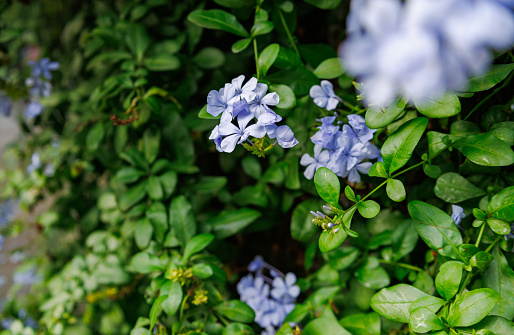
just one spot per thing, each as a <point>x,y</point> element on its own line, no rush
<point>437,229</point>
<point>232,222</point>
<point>499,276</point>
<point>267,58</point>
<point>369,209</point>
<point>154,188</point>
<point>209,58</point>
<point>143,233</point>
<point>238,329</point>
<point>302,228</point>
<point>502,204</point>
<point>324,4</point>
<point>394,302</point>
<point>286,95</point>
<point>241,45</point>
<point>174,294</point>
<point>324,326</point>
<point>196,244</point>
<point>486,150</point>
<point>128,175</point>
<point>429,302</point>
<point>422,320</point>
<point>362,324</point>
<point>162,63</point>
<point>448,279</point>
<point>446,106</point>
<point>144,262</point>
<point>217,19</point>
<point>500,227</point>
<point>182,220</point>
<point>378,170</point>
<point>156,213</point>
<point>398,147</point>
<point>236,310</point>
<point>490,79</point>
<point>496,324</point>
<point>404,239</point>
<point>329,69</point>
<point>202,271</point>
<point>262,28</point>
<point>132,196</point>
<point>154,311</point>
<point>330,241</point>
<point>433,171</point>
<point>453,188</point>
<point>328,186</point>
<point>481,260</point>
<point>464,128</point>
<point>137,40</point>
<point>395,190</point>
<point>471,307</point>
<point>380,117</point>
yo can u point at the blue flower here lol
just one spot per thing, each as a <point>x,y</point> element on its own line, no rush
<point>27,277</point>
<point>246,91</point>
<point>38,87</point>
<point>260,103</point>
<point>324,95</point>
<point>5,104</point>
<point>35,163</point>
<point>284,289</point>
<point>326,132</point>
<point>353,173</point>
<point>49,170</point>
<point>457,214</point>
<point>257,264</point>
<point>216,136</point>
<point>218,101</point>
<point>285,137</point>
<point>320,159</point>
<point>346,156</point>
<point>43,67</point>
<point>33,110</point>
<point>237,135</point>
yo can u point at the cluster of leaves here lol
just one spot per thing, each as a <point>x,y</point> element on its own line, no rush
<point>149,227</point>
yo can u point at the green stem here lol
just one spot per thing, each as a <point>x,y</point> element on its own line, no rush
<point>256,53</point>
<point>403,265</point>
<point>505,83</point>
<point>408,169</point>
<point>498,239</point>
<point>466,282</point>
<point>182,306</point>
<point>283,20</point>
<point>480,235</point>
<point>374,190</point>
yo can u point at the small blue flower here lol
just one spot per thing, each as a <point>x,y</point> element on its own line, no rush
<point>257,264</point>
<point>326,132</point>
<point>346,156</point>
<point>5,105</point>
<point>237,135</point>
<point>324,95</point>
<point>268,118</point>
<point>35,163</point>
<point>217,138</point>
<point>6,323</point>
<point>218,101</point>
<point>49,170</point>
<point>457,214</point>
<point>43,67</point>
<point>33,110</point>
<point>285,137</point>
<point>246,91</point>
<point>261,102</point>
<point>353,173</point>
<point>285,289</point>
<point>320,159</point>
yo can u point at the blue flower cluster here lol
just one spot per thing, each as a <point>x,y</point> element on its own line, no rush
<point>246,103</point>
<point>272,299</point>
<point>423,48</point>
<point>346,149</point>
<point>39,84</point>
<point>5,104</point>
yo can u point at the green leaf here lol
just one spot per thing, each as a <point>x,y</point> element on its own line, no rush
<point>348,192</point>
<point>143,233</point>
<point>156,213</point>
<point>137,40</point>
<point>453,188</point>
<point>486,150</point>
<point>202,271</point>
<point>471,307</point>
<point>196,244</point>
<point>496,324</point>
<point>377,117</point>
<point>490,79</point>
<point>128,175</point>
<point>261,28</point>
<point>241,45</point>
<point>398,147</point>
<point>463,127</point>
<point>468,250</point>
<point>404,239</point>
<point>448,279</point>
<point>330,241</point>
<point>433,171</point>
<point>132,196</point>
<point>362,324</point>
<point>324,4</point>
<point>435,143</point>
<point>500,227</point>
<point>232,222</point>
<point>481,260</point>
<point>252,167</point>
<point>267,58</point>
<point>144,262</point>
<point>378,170</point>
<point>234,3</point>
<point>173,291</point>
<point>168,182</point>
<point>238,329</point>
<point>505,134</point>
<point>431,303</point>
<point>502,204</point>
<point>437,229</point>
<point>324,326</point>
<point>422,320</point>
<point>182,220</point>
<point>328,186</point>
<point>369,209</point>
<point>302,228</point>
<point>135,158</point>
<point>202,114</point>
<point>162,63</point>
<point>372,275</point>
<point>154,311</point>
<point>329,69</point>
<point>499,276</point>
<point>236,310</point>
<point>94,137</point>
<point>394,302</point>
<point>154,188</point>
<point>208,185</point>
<point>446,106</point>
<point>286,95</point>
<point>209,58</point>
<point>217,19</point>
<point>395,190</point>
<point>108,57</point>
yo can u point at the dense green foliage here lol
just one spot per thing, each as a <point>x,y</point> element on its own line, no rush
<point>149,228</point>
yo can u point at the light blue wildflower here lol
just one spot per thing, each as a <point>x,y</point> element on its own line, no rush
<point>33,110</point>
<point>43,67</point>
<point>346,156</point>
<point>257,264</point>
<point>457,214</point>
<point>285,137</point>
<point>218,101</point>
<point>320,159</point>
<point>260,103</point>
<point>237,135</point>
<point>246,91</point>
<point>35,163</point>
<point>284,289</point>
<point>217,138</point>
<point>49,170</point>
<point>353,173</point>
<point>324,95</point>
<point>326,132</point>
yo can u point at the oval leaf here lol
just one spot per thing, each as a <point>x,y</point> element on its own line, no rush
<point>453,188</point>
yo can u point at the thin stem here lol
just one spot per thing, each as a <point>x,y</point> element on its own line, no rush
<point>408,169</point>
<point>288,32</point>
<point>489,96</point>
<point>498,239</point>
<point>480,235</point>
<point>374,190</point>
<point>466,282</point>
<point>403,265</point>
<point>256,53</point>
